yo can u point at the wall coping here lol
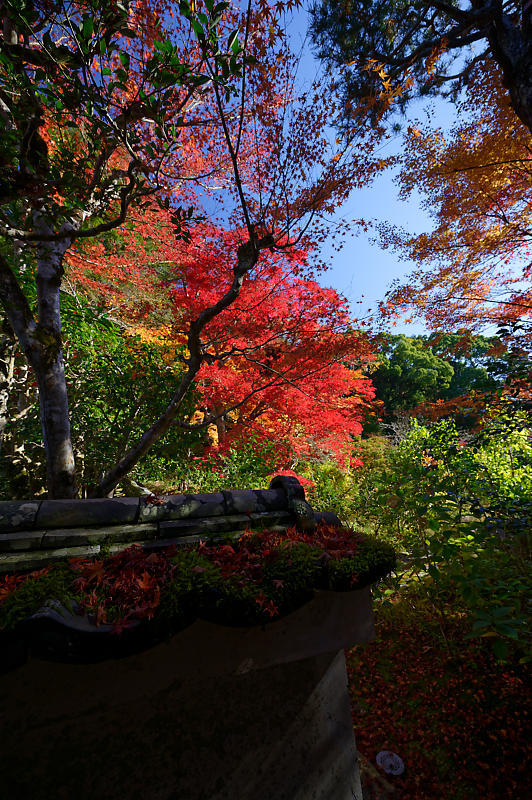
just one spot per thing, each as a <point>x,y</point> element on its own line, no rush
<point>36,533</point>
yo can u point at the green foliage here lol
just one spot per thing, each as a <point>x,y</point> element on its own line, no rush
<point>332,487</point>
<point>346,490</point>
<point>55,80</point>
<point>461,513</point>
<point>414,370</point>
<point>117,384</point>
<point>474,367</point>
<point>247,464</point>
<point>409,373</point>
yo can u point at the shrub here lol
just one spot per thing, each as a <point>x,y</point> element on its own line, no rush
<point>461,512</point>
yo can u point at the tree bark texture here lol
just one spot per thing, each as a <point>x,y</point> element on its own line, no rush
<point>50,368</point>
<point>8,348</point>
<point>511,47</point>
<point>40,341</point>
<point>55,423</point>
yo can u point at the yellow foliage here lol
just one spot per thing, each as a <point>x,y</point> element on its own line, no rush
<point>476,184</point>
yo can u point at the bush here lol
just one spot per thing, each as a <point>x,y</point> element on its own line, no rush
<point>460,512</point>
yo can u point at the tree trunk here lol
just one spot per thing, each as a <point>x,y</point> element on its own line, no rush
<point>511,47</point>
<point>50,368</point>
<point>221,428</point>
<point>41,343</point>
<point>8,347</point>
<point>55,423</point>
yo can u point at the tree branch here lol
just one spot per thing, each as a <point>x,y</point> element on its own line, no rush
<point>247,256</point>
<point>17,308</point>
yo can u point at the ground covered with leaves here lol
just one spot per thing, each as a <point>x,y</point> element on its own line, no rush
<point>457,717</point>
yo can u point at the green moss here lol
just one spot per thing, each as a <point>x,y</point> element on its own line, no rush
<point>233,603</point>
<point>285,580</point>
<point>291,576</point>
<point>271,580</point>
<point>33,594</point>
<point>182,598</point>
<point>373,560</point>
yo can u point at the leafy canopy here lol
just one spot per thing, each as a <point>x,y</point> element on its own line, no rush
<point>423,47</point>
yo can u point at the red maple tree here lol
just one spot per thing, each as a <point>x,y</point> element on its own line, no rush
<point>187,105</point>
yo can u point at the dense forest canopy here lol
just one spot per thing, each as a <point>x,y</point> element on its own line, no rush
<point>164,187</point>
<point>146,109</point>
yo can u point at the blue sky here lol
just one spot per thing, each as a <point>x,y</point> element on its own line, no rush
<point>362,271</point>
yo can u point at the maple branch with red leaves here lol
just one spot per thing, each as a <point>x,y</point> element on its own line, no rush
<point>247,257</point>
